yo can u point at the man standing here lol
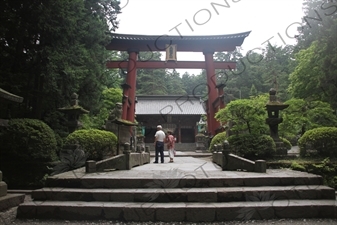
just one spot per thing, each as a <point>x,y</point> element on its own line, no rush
<point>159,144</point>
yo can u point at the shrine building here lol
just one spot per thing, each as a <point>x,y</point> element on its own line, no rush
<point>179,113</point>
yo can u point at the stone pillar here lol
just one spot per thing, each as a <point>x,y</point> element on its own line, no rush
<point>147,149</point>
<point>3,186</point>
<point>225,153</point>
<point>127,153</point>
<point>212,91</point>
<point>260,166</point>
<point>132,75</point>
<point>220,88</point>
<point>125,100</point>
<point>90,166</point>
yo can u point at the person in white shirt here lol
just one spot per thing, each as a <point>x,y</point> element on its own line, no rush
<point>159,144</point>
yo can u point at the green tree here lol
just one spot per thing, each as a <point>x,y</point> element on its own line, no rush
<point>110,97</point>
<point>195,84</point>
<point>318,17</point>
<point>174,83</point>
<point>311,79</point>
<point>50,49</point>
<point>253,91</point>
<point>314,75</point>
<point>304,115</point>
<point>151,81</point>
<point>246,115</point>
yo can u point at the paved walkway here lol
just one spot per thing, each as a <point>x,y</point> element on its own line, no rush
<point>184,166</point>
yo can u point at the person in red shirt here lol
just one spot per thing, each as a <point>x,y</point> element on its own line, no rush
<point>170,140</point>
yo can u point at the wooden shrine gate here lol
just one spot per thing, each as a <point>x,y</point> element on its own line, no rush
<point>133,44</point>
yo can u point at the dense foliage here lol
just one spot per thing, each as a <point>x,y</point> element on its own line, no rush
<point>28,146</point>
<point>50,49</point>
<point>218,139</point>
<point>252,146</point>
<point>97,144</point>
<point>304,115</point>
<point>323,140</point>
<point>314,75</point>
<point>28,140</point>
<point>286,142</point>
<point>245,115</point>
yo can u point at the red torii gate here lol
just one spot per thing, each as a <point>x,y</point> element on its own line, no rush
<point>133,44</point>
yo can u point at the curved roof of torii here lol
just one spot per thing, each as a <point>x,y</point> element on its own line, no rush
<point>216,43</point>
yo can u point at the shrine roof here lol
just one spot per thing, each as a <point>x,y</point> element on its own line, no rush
<point>9,96</point>
<point>169,104</point>
<point>226,42</point>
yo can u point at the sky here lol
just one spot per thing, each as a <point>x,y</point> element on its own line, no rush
<point>268,20</point>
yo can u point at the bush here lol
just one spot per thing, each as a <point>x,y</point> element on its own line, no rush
<point>286,143</point>
<point>252,146</point>
<point>27,148</point>
<point>97,144</point>
<point>322,139</point>
<point>218,139</point>
<point>59,143</point>
<point>327,170</point>
<point>29,139</point>
<point>297,166</point>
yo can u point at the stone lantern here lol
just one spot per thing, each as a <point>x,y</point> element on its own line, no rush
<point>73,113</point>
<point>273,107</point>
<point>200,137</point>
<point>119,126</point>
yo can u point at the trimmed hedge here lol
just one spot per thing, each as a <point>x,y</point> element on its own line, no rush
<point>252,146</point>
<point>218,139</point>
<point>97,144</point>
<point>322,139</point>
<point>29,139</point>
<point>286,143</point>
<point>28,146</point>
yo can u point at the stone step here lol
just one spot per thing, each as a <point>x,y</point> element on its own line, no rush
<point>169,212</point>
<point>185,181</point>
<point>10,200</point>
<point>220,194</point>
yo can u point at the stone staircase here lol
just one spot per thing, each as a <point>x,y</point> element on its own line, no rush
<point>181,196</point>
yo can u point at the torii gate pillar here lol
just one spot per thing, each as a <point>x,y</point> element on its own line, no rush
<point>212,124</point>
<point>129,94</point>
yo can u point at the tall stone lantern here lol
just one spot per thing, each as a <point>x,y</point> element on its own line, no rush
<point>273,107</point>
<point>73,113</point>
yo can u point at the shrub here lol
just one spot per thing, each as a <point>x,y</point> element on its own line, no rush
<point>72,158</point>
<point>96,143</point>
<point>27,148</point>
<point>327,170</point>
<point>322,139</point>
<point>252,146</point>
<point>286,143</point>
<point>59,143</point>
<point>218,139</point>
<point>297,166</point>
<point>29,139</point>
